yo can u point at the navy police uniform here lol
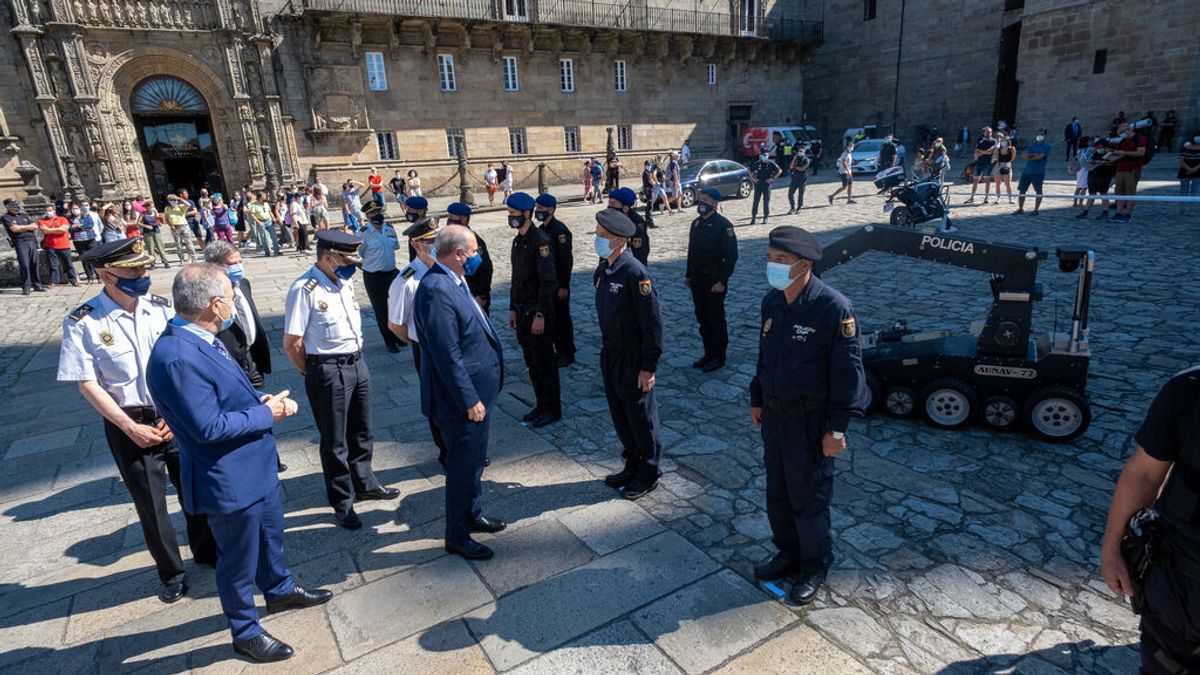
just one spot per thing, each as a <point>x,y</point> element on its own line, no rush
<point>1171,593</point>
<point>763,171</point>
<point>25,244</point>
<point>631,335</point>
<point>711,256</point>
<point>639,241</point>
<point>564,263</point>
<point>809,380</point>
<point>415,208</point>
<point>480,282</point>
<point>534,285</point>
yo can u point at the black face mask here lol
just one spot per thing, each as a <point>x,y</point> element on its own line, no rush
<point>411,217</point>
<point>516,222</point>
<point>542,216</point>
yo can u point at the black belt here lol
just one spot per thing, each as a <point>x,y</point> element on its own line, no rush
<point>339,359</point>
<point>142,414</point>
<point>805,404</point>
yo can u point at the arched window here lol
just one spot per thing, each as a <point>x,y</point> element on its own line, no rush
<point>169,95</point>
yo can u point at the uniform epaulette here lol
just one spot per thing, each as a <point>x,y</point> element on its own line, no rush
<point>408,272</point>
<point>81,311</point>
<point>310,284</point>
<point>160,300</point>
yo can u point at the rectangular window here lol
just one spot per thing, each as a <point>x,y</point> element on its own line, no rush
<point>376,77</point>
<point>571,138</point>
<point>749,18</point>
<point>516,140</point>
<point>624,137</point>
<point>516,10</point>
<point>386,140</point>
<point>566,75</point>
<point>619,82</point>
<point>445,64</point>
<point>455,139</point>
<point>1100,62</point>
<point>510,74</point>
<point>712,74</point>
<point>868,10</point>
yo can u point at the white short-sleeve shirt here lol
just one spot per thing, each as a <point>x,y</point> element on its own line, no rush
<point>326,315</point>
<point>401,294</point>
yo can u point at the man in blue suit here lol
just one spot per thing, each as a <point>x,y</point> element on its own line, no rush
<point>227,456</point>
<point>462,371</point>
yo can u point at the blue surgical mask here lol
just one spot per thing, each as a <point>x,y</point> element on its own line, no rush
<point>778,275</point>
<point>703,209</point>
<point>471,265</point>
<point>226,323</point>
<point>344,272</point>
<point>134,287</point>
<point>433,251</point>
<point>235,272</point>
<point>603,247</point>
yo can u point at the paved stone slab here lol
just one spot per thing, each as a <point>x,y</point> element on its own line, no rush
<point>307,631</point>
<point>32,445</point>
<point>704,624</point>
<point>799,650</point>
<point>611,525</point>
<point>526,555</point>
<point>397,606</point>
<point>852,627</point>
<point>38,631</point>
<point>536,619</point>
<point>445,648</point>
<point>617,648</point>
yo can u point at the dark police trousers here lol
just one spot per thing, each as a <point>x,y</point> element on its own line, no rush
<point>796,189</point>
<point>710,314</point>
<point>564,328</point>
<point>376,284</point>
<point>799,481</point>
<point>250,546</point>
<point>339,391</point>
<point>761,191</point>
<point>433,427</point>
<point>28,263</point>
<point>145,472</point>
<point>634,412</point>
<point>539,356</point>
<point>466,442</point>
<point>1170,615</point>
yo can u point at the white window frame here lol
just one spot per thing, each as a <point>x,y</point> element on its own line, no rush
<point>620,79</point>
<point>624,137</point>
<point>517,144</point>
<point>385,143</point>
<point>566,76</point>
<point>711,76</point>
<point>516,10</point>
<point>451,135</point>
<point>446,78</point>
<point>376,72</point>
<point>512,81</point>
<point>748,21</point>
<point>571,139</point>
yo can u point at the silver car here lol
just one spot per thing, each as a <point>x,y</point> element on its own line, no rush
<point>865,158</point>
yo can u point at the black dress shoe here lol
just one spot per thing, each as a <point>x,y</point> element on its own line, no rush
<point>298,599</point>
<point>280,467</point>
<point>486,462</point>
<point>489,525</point>
<point>776,568</point>
<point>621,478</point>
<point>206,561</point>
<point>532,415</point>
<point>40,288</point>
<point>715,364</point>
<point>701,362</point>
<point>382,494</point>
<point>804,590</point>
<point>263,648</point>
<point>639,488</point>
<point>349,520</point>
<point>545,419</point>
<point>173,591</point>
<point>473,550</point>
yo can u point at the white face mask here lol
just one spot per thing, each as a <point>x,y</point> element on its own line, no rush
<point>1039,138</point>
<point>1196,139</point>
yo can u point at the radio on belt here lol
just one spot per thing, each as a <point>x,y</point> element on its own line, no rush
<point>1001,374</point>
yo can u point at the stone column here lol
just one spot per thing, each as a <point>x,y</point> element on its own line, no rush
<point>27,36</point>
<point>273,104</point>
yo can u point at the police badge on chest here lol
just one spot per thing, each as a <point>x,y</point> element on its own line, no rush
<point>615,288</point>
<point>801,333</point>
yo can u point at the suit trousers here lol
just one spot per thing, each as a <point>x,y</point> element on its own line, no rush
<point>564,328</point>
<point>634,412</point>
<point>28,260</point>
<point>433,427</point>
<point>376,284</point>
<point>340,396</point>
<point>539,357</point>
<point>145,472</point>
<point>467,444</point>
<point>799,485</point>
<point>710,314</point>
<point>249,554</point>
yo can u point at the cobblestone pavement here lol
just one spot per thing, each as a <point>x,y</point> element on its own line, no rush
<point>956,552</point>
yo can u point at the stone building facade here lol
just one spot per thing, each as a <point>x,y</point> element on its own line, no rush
<point>113,98</point>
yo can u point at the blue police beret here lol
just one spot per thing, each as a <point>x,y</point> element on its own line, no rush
<point>419,203</point>
<point>624,195</point>
<point>519,201</point>
<point>616,222</point>
<point>712,193</point>
<point>458,209</point>
<point>547,200</point>
<point>796,241</point>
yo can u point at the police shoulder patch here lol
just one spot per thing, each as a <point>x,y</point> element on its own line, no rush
<point>636,242</point>
<point>310,284</point>
<point>644,286</point>
<point>81,311</point>
<point>849,327</point>
<point>160,300</point>
<point>562,238</point>
<point>408,272</point>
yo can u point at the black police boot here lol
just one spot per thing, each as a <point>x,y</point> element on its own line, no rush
<point>349,520</point>
<point>776,568</point>
<point>640,487</point>
<point>805,589</point>
<point>173,591</point>
<point>715,364</point>
<point>532,414</point>
<point>623,477</point>
<point>702,361</point>
<point>546,419</point>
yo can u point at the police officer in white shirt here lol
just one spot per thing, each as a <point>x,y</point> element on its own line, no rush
<point>322,337</point>
<point>106,343</point>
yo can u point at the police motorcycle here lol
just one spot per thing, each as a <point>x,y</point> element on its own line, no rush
<point>919,202</point>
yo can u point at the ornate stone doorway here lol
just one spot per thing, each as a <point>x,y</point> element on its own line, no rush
<point>175,134</point>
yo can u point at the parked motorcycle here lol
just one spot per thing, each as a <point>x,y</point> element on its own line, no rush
<point>919,202</point>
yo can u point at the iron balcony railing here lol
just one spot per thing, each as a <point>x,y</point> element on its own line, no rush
<point>585,13</point>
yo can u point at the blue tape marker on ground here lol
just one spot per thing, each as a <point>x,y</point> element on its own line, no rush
<point>773,589</point>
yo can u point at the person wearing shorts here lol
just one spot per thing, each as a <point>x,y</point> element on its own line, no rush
<point>846,174</point>
<point>983,166</point>
<point>1034,171</point>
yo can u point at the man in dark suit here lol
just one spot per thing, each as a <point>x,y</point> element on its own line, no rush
<point>1071,134</point>
<point>246,340</point>
<point>462,372</point>
<point>227,456</point>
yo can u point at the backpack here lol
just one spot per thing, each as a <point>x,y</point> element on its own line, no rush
<point>1151,147</point>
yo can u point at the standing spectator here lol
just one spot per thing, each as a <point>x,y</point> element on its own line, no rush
<point>132,219</point>
<point>56,238</point>
<point>191,216</point>
<point>1166,134</point>
<point>114,226</point>
<point>597,176</point>
<point>887,154</point>
<point>1034,171</point>
<point>685,153</point>
<point>504,175</point>
<point>939,160</point>
<point>901,152</point>
<point>1189,173</point>
<point>399,187</point>
<point>264,226</point>
<point>763,173</point>
<point>1077,164</point>
<point>657,192</point>
<point>319,212</point>
<point>375,183</point>
<point>1071,136</point>
<point>241,223</point>
<point>414,183</point>
<point>204,209</point>
<point>814,151</point>
<point>378,251</point>
<point>920,167</point>
<point>963,140</point>
<point>84,237</point>
<point>1129,155</point>
<point>588,195</point>
<point>91,218</point>
<point>352,214</point>
<point>846,174</point>
<point>673,181</point>
<point>1100,168</point>
<point>317,186</point>
<point>222,215</point>
<point>300,222</point>
<point>152,237</point>
<point>491,183</point>
<point>177,220</point>
<point>22,233</point>
<point>613,175</point>
<point>1002,158</point>
<point>282,217</point>
<point>798,175</point>
<point>983,166</point>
